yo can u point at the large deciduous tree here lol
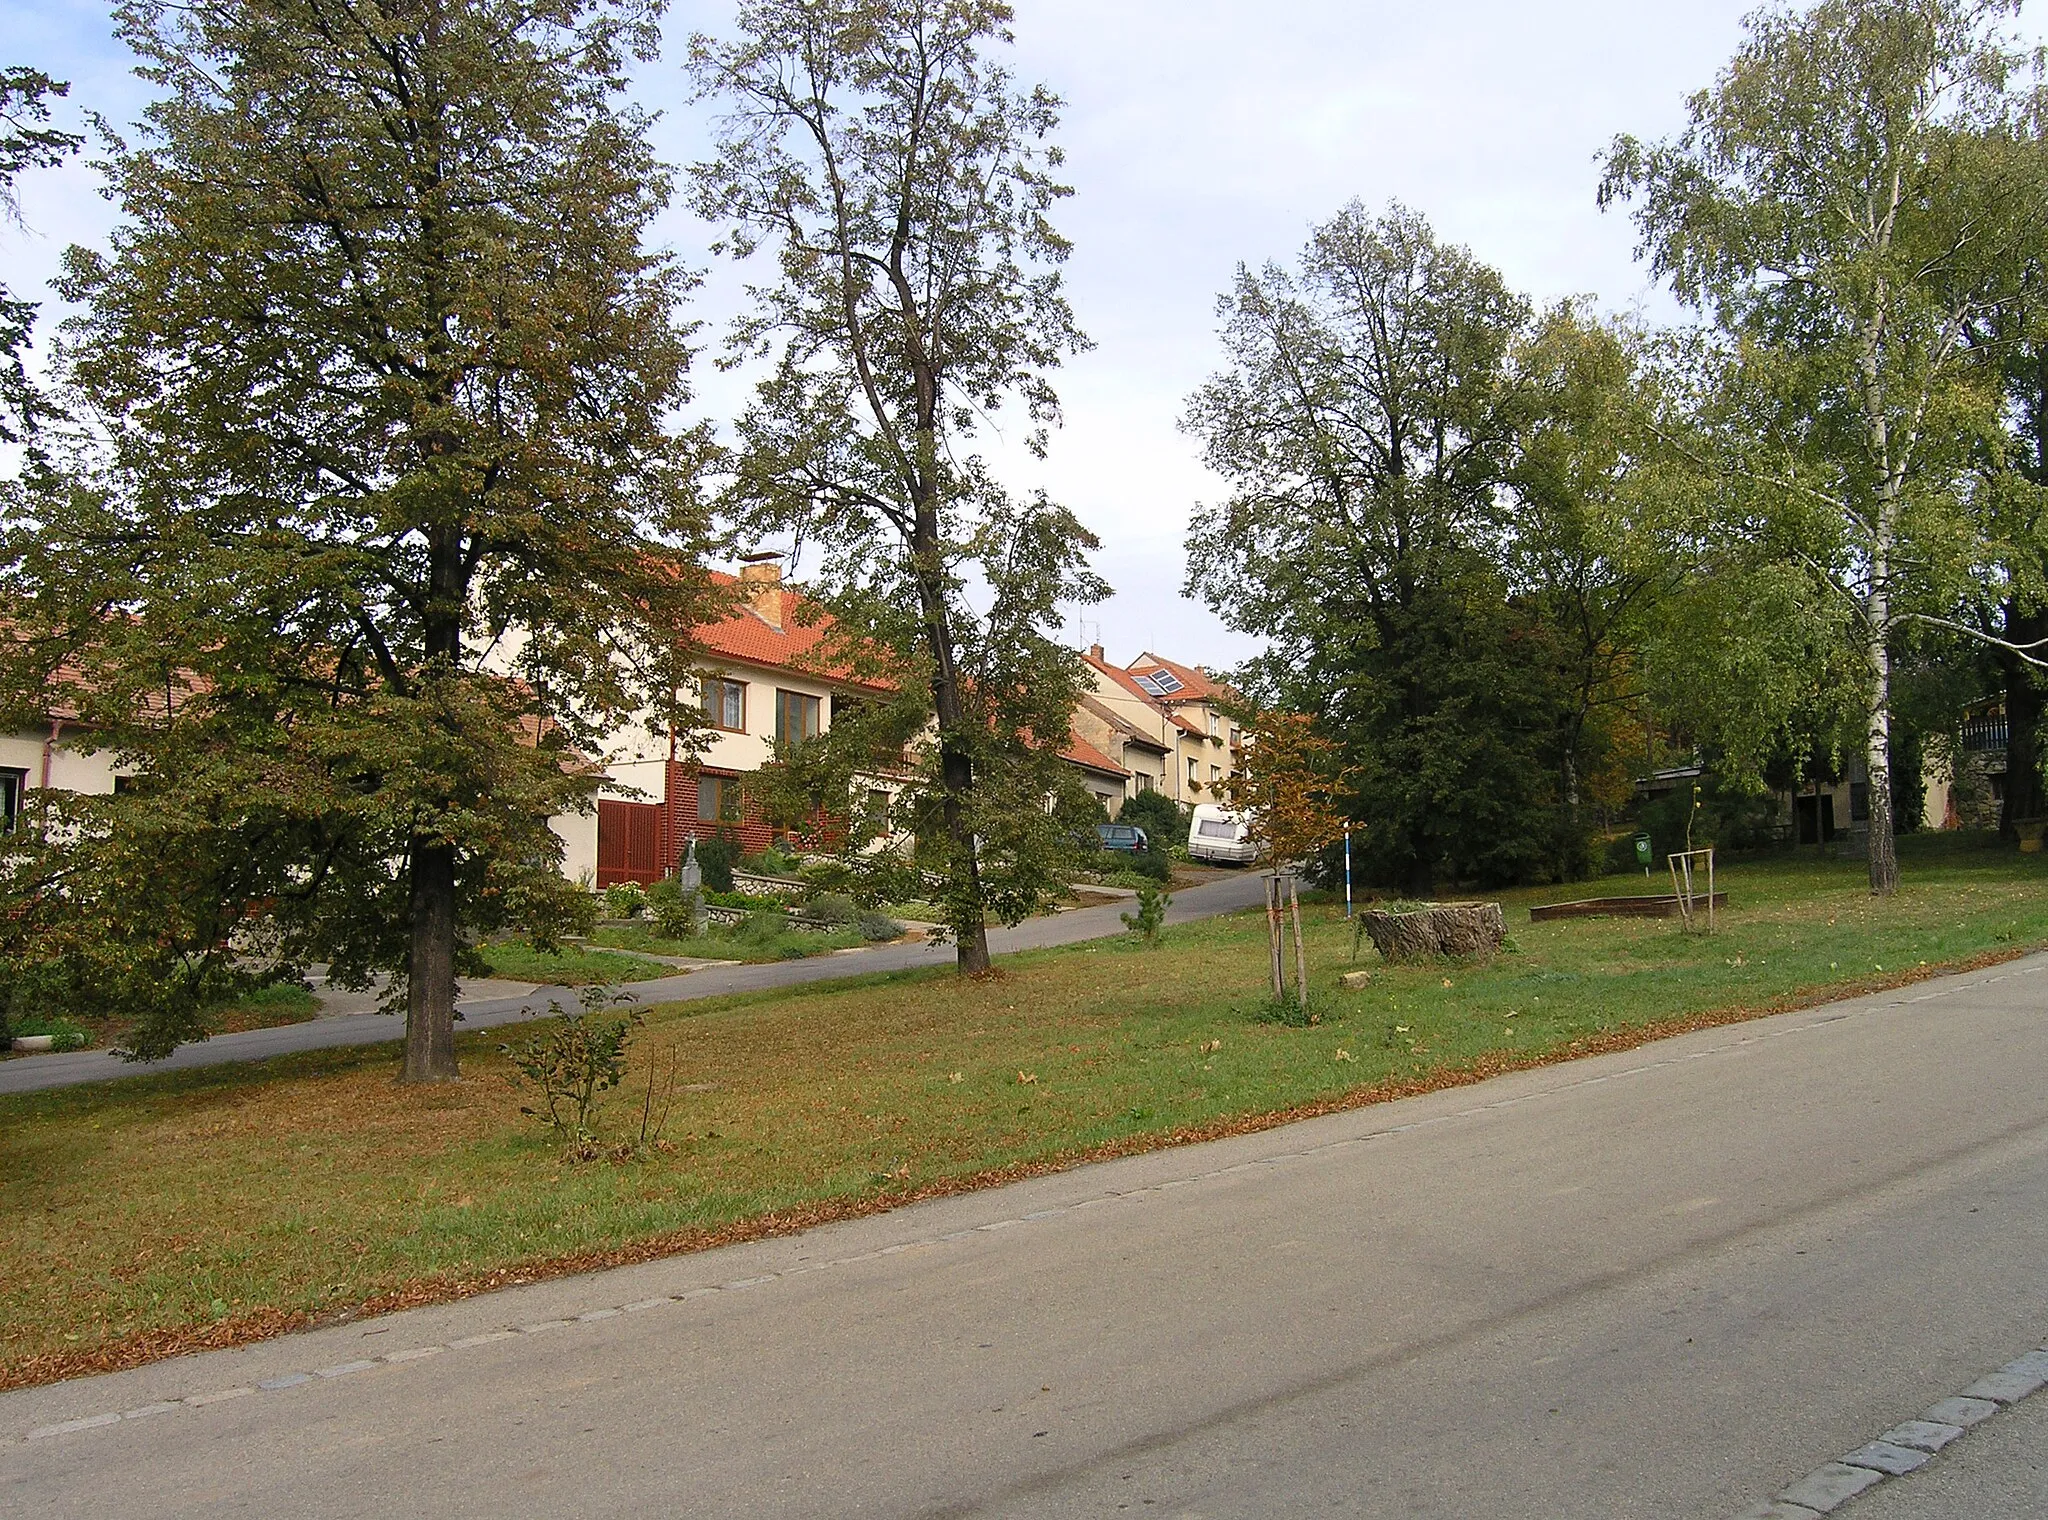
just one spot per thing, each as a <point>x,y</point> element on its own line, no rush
<point>1831,205</point>
<point>904,185</point>
<point>388,504</point>
<point>1435,571</point>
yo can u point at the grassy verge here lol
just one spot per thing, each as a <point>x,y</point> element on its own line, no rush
<point>265,1008</point>
<point>739,942</point>
<point>268,1007</point>
<point>519,962</point>
<point>208,1206</point>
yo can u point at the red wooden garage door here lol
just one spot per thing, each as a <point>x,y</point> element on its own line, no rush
<point>628,842</point>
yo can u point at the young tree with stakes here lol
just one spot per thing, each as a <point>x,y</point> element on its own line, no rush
<point>385,505</point>
<point>906,187</point>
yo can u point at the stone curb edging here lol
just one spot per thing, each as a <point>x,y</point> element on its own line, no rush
<point>1905,1447</point>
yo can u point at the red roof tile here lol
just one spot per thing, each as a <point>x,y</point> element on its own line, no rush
<point>1194,685</point>
<point>799,645</point>
<point>1121,678</point>
<point>1088,757</point>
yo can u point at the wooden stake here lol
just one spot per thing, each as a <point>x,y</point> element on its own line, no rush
<point>1300,958</point>
<point>1273,933</point>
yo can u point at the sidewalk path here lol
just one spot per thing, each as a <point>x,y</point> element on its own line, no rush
<point>39,1073</point>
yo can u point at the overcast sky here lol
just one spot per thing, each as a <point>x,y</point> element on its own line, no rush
<point>1200,134</point>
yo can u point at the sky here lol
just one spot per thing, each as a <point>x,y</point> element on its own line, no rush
<point>1200,134</point>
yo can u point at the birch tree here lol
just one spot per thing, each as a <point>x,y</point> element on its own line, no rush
<point>1826,205</point>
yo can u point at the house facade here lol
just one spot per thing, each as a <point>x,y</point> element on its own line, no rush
<point>59,757</point>
<point>763,678</point>
<point>1174,736</point>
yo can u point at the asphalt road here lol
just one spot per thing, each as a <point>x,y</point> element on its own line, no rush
<point>38,1073</point>
<point>1663,1283</point>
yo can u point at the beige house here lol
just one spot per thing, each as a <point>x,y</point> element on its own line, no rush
<point>764,677</point>
<point>58,758</point>
<point>1175,735</point>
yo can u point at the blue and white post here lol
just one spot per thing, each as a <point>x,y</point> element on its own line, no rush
<point>1347,870</point>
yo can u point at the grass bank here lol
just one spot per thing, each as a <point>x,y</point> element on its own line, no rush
<point>205,1207</point>
<point>754,941</point>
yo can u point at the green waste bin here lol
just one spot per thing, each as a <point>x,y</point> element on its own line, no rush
<point>1643,850</point>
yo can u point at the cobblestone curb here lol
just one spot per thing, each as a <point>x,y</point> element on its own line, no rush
<point>1905,1447</point>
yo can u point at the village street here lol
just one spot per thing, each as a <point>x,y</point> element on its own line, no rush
<point>1666,1283</point>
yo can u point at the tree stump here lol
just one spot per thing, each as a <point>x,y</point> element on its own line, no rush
<point>1461,931</point>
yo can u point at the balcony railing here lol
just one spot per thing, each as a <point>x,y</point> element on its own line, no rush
<point>1982,736</point>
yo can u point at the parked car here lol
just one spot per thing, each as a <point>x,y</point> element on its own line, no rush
<point>1220,837</point>
<point>1125,838</point>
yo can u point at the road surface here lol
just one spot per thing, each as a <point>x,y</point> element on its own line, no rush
<point>1663,1283</point>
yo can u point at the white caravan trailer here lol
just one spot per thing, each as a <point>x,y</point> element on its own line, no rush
<point>1220,837</point>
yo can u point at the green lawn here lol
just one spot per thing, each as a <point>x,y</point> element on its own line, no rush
<point>162,1212</point>
<point>519,962</point>
<point>741,942</point>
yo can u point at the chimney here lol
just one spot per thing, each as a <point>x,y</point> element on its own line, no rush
<point>1095,651</point>
<point>761,583</point>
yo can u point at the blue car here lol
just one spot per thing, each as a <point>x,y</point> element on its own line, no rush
<point>1126,838</point>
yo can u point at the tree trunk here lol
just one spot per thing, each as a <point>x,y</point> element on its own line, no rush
<point>1459,930</point>
<point>2023,713</point>
<point>430,965</point>
<point>430,968</point>
<point>956,765</point>
<point>970,926</point>
<point>1884,844</point>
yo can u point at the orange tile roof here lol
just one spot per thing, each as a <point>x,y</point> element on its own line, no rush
<point>1088,757</point>
<point>1120,677</point>
<point>799,645</point>
<point>1195,686</point>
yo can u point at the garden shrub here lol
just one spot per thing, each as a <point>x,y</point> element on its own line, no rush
<point>1155,863</point>
<point>716,857</point>
<point>762,927</point>
<point>575,1059</point>
<point>833,908</point>
<point>625,899</point>
<point>826,875</point>
<point>878,928</point>
<point>1153,901</point>
<point>1164,821</point>
<point>673,909</point>
<point>772,862</point>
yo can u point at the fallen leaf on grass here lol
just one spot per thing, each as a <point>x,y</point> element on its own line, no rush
<point>1026,1076</point>
<point>1212,1045</point>
<point>1447,981</point>
<point>1345,1055</point>
<point>958,1076</point>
